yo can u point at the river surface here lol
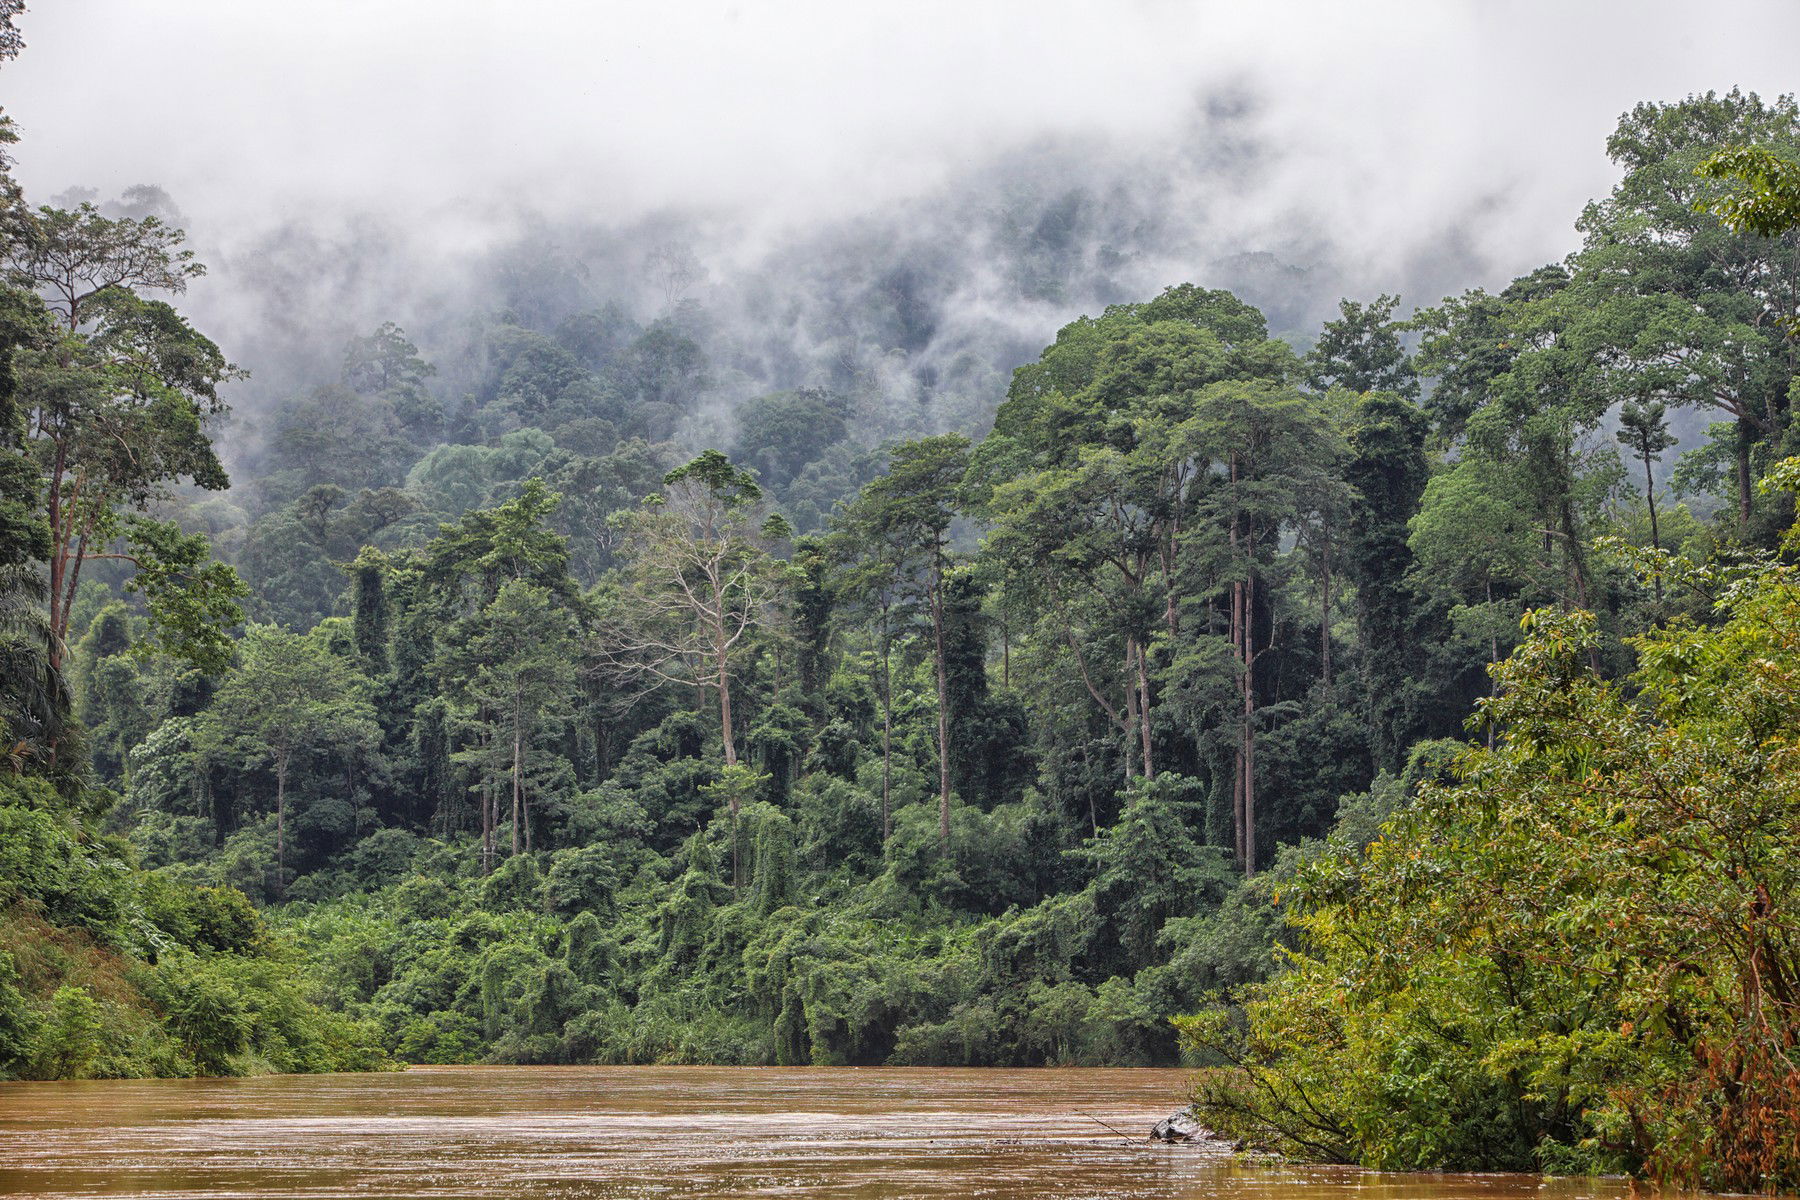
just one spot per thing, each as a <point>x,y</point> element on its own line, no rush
<point>667,1132</point>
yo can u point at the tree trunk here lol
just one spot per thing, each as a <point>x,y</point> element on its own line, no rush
<point>487,825</point>
<point>1087,767</point>
<point>943,712</point>
<point>600,755</point>
<point>1240,642</point>
<point>1136,650</point>
<point>1655,533</point>
<point>1005,652</point>
<point>1249,682</point>
<point>887,731</point>
<point>1237,800</point>
<point>1746,433</point>
<point>59,541</point>
<point>281,770</point>
<point>1131,725</point>
<point>724,686</point>
<point>518,789</point>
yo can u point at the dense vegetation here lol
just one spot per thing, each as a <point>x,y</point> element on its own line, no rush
<point>1576,948</point>
<point>505,726</point>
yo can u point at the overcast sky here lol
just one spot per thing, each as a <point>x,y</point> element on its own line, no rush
<point>247,108</point>
<point>1427,147</point>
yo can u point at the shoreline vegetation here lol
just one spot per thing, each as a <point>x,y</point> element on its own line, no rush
<point>1383,718</point>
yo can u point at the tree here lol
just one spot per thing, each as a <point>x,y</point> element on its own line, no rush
<point>466,565</point>
<point>1475,554</point>
<point>906,515</point>
<point>1361,351</point>
<point>868,582</point>
<point>1678,305</point>
<point>369,607</point>
<point>288,694</point>
<point>386,365</point>
<point>117,395</point>
<point>385,361</point>
<point>1098,534</point>
<point>457,574</point>
<point>1643,429</point>
<point>698,583</point>
<point>34,692</point>
<point>1273,446</point>
<point>1386,469</point>
<point>512,665</point>
<point>1523,379</point>
<point>1148,867</point>
<point>1092,477</point>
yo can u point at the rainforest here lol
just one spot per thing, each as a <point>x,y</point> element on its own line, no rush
<point>1388,709</point>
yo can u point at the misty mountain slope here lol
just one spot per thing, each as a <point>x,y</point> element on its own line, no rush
<point>915,313</point>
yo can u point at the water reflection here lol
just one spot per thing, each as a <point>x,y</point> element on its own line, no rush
<point>666,1132</point>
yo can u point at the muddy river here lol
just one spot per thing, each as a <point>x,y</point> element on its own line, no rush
<point>658,1132</point>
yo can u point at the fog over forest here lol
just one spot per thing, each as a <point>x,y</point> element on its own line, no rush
<point>901,203</point>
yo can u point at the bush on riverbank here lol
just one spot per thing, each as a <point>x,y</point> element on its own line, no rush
<point>107,970</point>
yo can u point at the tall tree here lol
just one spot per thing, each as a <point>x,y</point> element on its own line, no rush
<point>512,667</point>
<point>868,583</point>
<point>1274,447</point>
<point>1361,350</point>
<point>387,366</point>
<point>1523,381</point>
<point>1092,473</point>
<point>1643,429</point>
<point>698,582</point>
<point>1676,305</point>
<point>907,514</point>
<point>1387,470</point>
<point>117,395</point>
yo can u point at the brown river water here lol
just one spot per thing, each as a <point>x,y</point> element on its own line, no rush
<point>668,1132</point>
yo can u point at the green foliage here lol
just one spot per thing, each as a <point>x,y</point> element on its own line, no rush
<point>110,970</point>
<point>1361,351</point>
<point>290,695</point>
<point>1569,955</point>
<point>1766,200</point>
<point>192,599</point>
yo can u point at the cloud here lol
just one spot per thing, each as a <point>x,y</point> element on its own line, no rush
<point>983,170</point>
<point>801,108</point>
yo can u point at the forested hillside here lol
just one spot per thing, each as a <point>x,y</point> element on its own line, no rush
<point>509,721</point>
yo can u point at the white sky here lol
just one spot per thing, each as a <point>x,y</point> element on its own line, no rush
<point>247,111</point>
